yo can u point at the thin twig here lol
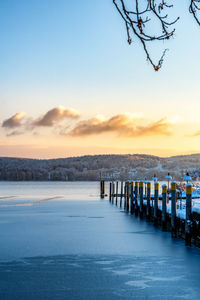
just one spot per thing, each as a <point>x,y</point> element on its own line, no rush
<point>194,8</point>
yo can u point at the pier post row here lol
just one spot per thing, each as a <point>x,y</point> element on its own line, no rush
<point>148,201</point>
<point>173,208</point>
<point>156,195</point>
<point>164,207</point>
<point>188,221</point>
<point>136,197</point>
<point>141,188</point>
<point>132,197</point>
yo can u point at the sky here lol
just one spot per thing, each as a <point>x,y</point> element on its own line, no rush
<point>71,85</point>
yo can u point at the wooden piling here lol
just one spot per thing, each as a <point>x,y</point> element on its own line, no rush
<point>164,207</point>
<point>121,193</point>
<point>136,197</point>
<point>125,194</point>
<point>113,192</point>
<point>128,196</point>
<point>173,208</point>
<point>110,192</point>
<point>141,188</point>
<point>116,195</point>
<point>132,197</point>
<point>156,194</point>
<point>188,221</point>
<point>148,201</point>
<point>102,188</point>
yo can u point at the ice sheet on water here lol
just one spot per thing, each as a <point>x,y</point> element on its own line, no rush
<point>85,248</point>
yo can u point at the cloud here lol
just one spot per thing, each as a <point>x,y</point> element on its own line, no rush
<point>55,115</point>
<point>126,125</point>
<point>14,121</point>
<point>14,133</point>
<point>123,125</point>
<point>196,133</point>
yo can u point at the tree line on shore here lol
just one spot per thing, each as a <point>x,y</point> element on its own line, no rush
<point>116,167</point>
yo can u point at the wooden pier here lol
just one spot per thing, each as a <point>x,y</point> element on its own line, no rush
<point>135,200</point>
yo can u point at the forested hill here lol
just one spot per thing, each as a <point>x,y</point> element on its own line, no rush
<point>134,166</point>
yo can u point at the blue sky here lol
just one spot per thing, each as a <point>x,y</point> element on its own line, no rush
<point>75,54</point>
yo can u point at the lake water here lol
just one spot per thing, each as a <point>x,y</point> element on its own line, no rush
<point>69,190</point>
<point>58,240</point>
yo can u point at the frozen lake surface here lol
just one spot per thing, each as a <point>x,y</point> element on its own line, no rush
<point>58,240</point>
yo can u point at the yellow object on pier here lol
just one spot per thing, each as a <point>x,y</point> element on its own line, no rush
<point>173,186</point>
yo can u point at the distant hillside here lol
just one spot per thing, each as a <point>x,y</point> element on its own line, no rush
<point>136,166</point>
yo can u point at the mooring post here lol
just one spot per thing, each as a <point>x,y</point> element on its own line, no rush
<point>156,194</point>
<point>136,198</point>
<point>128,194</point>
<point>113,191</point>
<point>110,192</point>
<point>164,207</point>
<point>121,194</point>
<point>116,193</point>
<point>125,194</point>
<point>188,221</point>
<point>141,188</point>
<point>129,202</point>
<point>102,188</point>
<point>132,198</point>
<point>173,208</point>
<point>148,201</point>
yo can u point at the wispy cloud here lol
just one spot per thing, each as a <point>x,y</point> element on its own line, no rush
<point>126,125</point>
<point>14,133</point>
<point>197,133</point>
<point>52,119</point>
<point>55,115</point>
<point>14,121</point>
<point>123,125</point>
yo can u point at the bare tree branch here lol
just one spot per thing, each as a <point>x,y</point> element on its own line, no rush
<point>138,21</point>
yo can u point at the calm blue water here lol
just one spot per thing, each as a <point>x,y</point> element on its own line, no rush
<point>81,247</point>
<point>69,190</point>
